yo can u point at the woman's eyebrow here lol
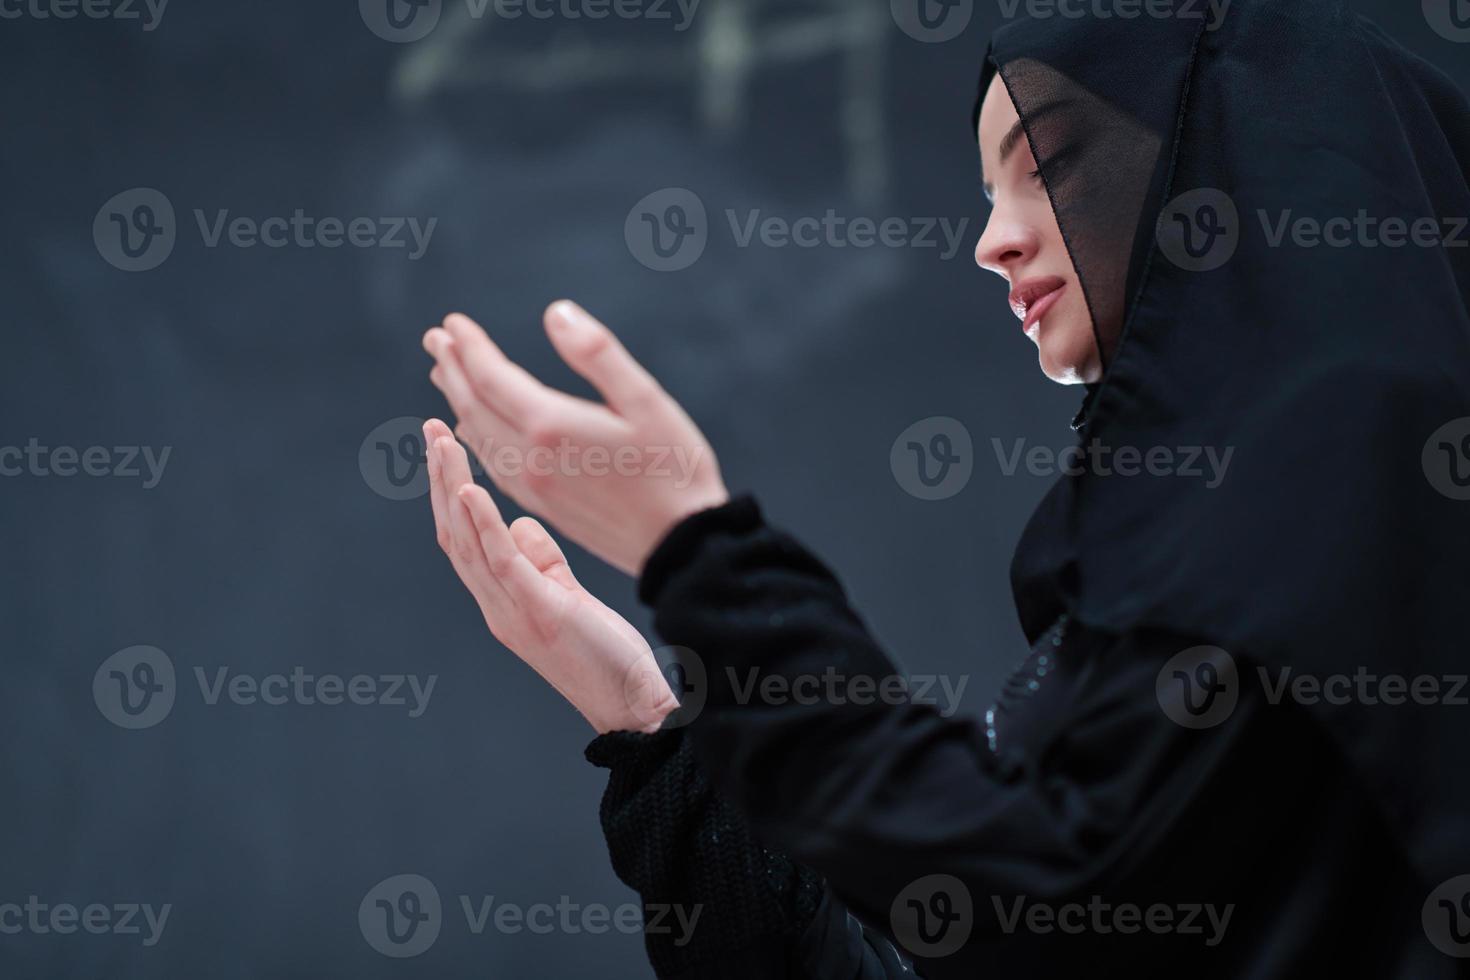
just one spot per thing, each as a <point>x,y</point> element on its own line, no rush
<point>1008,144</point>
<point>1010,139</point>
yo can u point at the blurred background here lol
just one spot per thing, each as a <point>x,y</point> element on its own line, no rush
<point>228,226</point>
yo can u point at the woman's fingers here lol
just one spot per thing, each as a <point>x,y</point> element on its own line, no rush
<point>480,425</point>
<point>434,430</point>
<point>455,467</point>
<point>468,551</point>
<point>592,350</point>
<point>496,380</point>
<point>520,579</point>
<point>449,376</point>
<point>542,551</point>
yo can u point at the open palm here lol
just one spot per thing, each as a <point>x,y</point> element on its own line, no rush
<point>535,606</point>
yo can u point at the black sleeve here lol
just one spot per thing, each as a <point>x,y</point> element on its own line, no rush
<point>878,795</point>
<point>754,914</point>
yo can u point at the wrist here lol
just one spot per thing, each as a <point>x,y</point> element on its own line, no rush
<point>687,505</point>
<point>643,703</point>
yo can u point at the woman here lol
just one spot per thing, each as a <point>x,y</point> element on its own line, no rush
<point>1155,792</point>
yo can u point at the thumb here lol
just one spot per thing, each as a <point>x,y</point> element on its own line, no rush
<point>541,550</point>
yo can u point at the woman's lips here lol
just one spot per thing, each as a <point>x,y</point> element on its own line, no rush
<point>1031,299</point>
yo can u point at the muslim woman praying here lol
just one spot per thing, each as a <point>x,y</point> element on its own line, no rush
<point>1151,794</point>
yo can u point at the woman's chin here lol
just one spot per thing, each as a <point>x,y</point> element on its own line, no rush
<point>1067,351</point>
<point>1070,370</point>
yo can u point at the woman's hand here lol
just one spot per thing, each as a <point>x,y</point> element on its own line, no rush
<point>535,607</point>
<point>614,477</point>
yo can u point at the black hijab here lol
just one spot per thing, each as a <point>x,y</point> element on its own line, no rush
<point>1338,542</point>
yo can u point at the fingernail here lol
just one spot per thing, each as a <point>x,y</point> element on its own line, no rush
<point>568,315</point>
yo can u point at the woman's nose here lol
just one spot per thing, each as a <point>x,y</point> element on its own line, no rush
<point>1004,245</point>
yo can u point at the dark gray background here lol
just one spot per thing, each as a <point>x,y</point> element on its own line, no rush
<point>264,547</point>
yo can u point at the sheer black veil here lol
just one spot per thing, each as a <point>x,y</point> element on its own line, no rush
<point>1332,374</point>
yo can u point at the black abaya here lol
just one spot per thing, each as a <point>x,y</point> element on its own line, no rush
<point>1335,831</point>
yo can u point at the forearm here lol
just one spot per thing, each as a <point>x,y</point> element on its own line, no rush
<point>877,795</point>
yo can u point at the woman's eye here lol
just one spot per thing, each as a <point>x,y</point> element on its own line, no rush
<point>1035,174</point>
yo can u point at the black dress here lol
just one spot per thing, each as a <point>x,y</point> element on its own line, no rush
<point>1087,826</point>
<point>1091,834</point>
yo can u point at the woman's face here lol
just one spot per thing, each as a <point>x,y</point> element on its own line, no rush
<point>1023,245</point>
